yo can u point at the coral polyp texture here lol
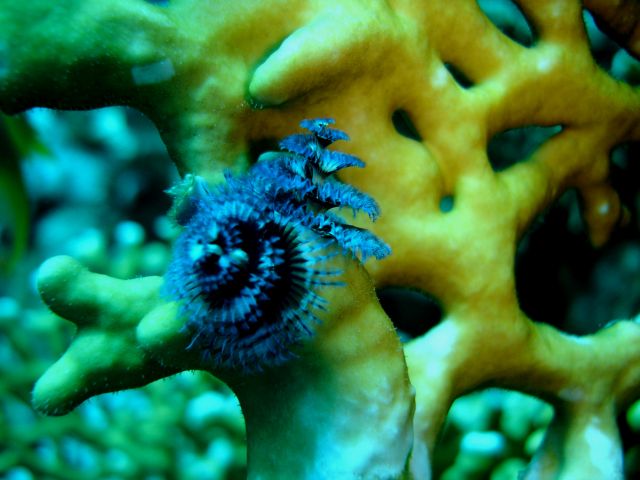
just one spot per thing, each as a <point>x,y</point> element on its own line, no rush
<point>421,87</point>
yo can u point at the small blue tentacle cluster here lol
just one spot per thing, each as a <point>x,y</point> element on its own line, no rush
<point>252,252</point>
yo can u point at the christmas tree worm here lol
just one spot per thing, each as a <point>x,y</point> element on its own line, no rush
<point>218,78</point>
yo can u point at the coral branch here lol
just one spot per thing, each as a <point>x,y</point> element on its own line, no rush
<point>422,88</point>
<point>105,355</point>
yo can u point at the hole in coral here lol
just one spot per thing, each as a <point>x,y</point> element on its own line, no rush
<point>602,47</point>
<point>446,204</point>
<point>612,287</point>
<point>404,126</point>
<point>260,146</point>
<point>412,312</point>
<point>609,55</point>
<point>457,74</point>
<point>515,145</point>
<point>629,426</point>
<point>624,174</point>
<point>612,290</point>
<point>625,68</point>
<point>553,259</point>
<point>562,280</point>
<point>505,15</point>
<point>502,427</point>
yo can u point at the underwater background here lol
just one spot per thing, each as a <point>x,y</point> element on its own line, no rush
<point>92,185</point>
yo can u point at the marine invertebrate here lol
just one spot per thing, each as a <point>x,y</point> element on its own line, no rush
<point>213,84</point>
<point>253,250</point>
<point>323,381</point>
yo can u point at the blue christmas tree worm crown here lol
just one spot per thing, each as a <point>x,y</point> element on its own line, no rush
<point>253,250</point>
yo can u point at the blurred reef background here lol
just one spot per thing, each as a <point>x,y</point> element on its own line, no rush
<point>92,185</point>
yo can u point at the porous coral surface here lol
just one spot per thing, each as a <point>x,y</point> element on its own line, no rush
<point>223,79</point>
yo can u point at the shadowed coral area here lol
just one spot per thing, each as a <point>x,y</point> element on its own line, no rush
<point>421,87</point>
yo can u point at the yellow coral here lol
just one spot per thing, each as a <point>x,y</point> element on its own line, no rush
<point>230,74</point>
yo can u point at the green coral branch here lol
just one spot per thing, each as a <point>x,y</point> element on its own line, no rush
<point>218,78</point>
<point>105,355</point>
<point>311,407</point>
